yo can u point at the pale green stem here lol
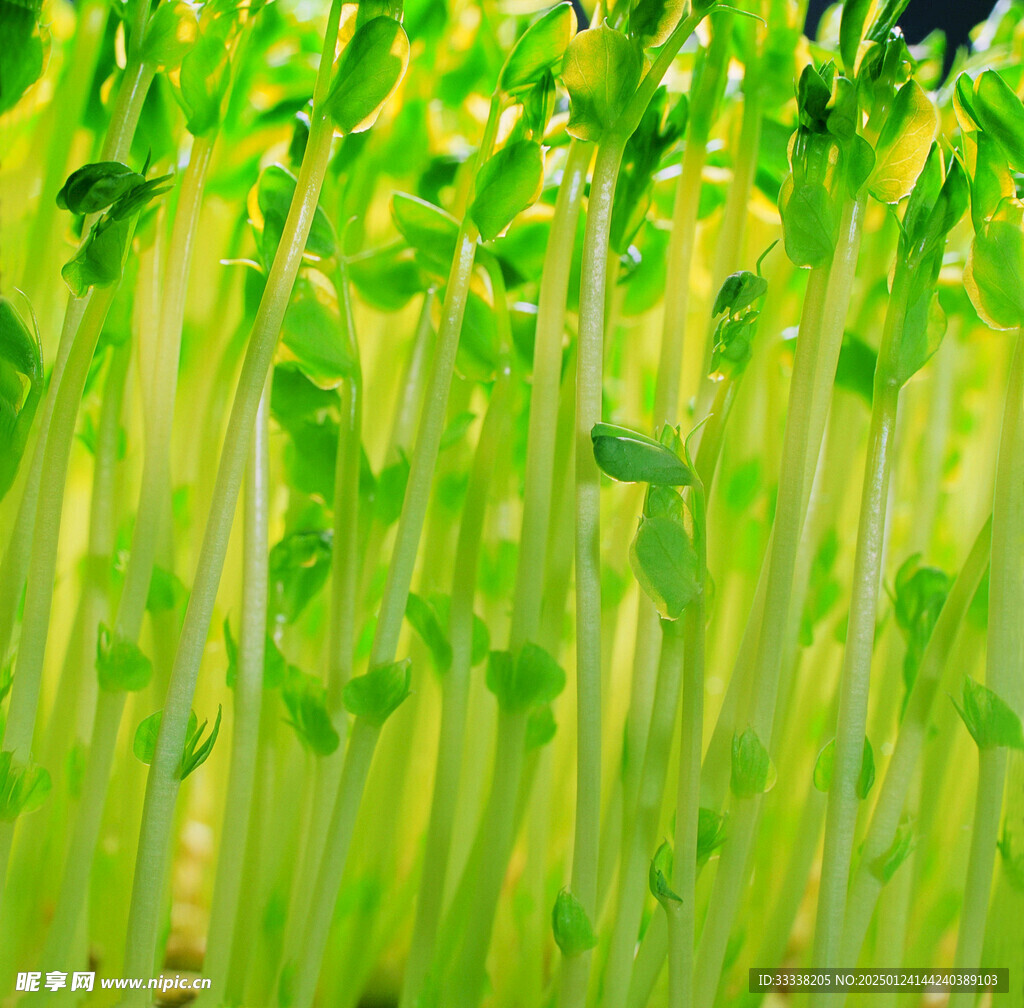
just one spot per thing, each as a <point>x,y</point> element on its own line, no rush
<point>162,784</point>
<point>224,908</point>
<point>843,800</point>
<point>1002,668</point>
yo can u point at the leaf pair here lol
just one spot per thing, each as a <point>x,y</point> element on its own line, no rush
<point>196,750</point>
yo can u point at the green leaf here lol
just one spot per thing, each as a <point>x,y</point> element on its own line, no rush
<point>738,291</point>
<point>23,787</point>
<point>298,569</point>
<point>539,49</point>
<point>888,14</point>
<point>94,187</point>
<point>540,728</point>
<point>532,679</point>
<point>810,220</point>
<point>903,144</point>
<point>989,718</point>
<point>753,772</point>
<point>652,21</point>
<point>826,759</point>
<point>144,740</point>
<point>22,48</point>
<point>274,194</point>
<point>197,750</point>
<point>601,72</point>
<point>313,332</point>
<point>165,590</point>
<point>919,595</point>
<point>665,563</point>
<point>375,695</point>
<point>884,866</point>
<point>506,185</point>
<point>427,228</point>
<point>478,354</point>
<point>630,457</point>
<point>120,663</point>
<point>994,276</point>
<point>21,387</point>
<point>369,72</point>
<point>424,620</point>
<point>205,74</point>
<point>481,640</point>
<point>659,877</point>
<point>305,699</point>
<point>171,32</point>
<point>571,925</point>
<point>851,28</point>
<point>275,667</point>
<point>99,261</point>
<point>710,833</point>
<point>1001,114</point>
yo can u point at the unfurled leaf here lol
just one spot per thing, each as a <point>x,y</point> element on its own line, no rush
<point>992,722</point>
<point>1001,114</point>
<point>665,563</point>
<point>574,933</point>
<point>903,144</point>
<point>375,695</point>
<point>425,622</point>
<point>994,276</point>
<point>506,185</point>
<point>826,759</point>
<point>631,457</point>
<point>427,228</point>
<point>120,663</point>
<point>171,32</point>
<point>652,21</point>
<point>810,219</point>
<point>531,679</point>
<point>369,72</point>
<point>539,49</point>
<point>305,698</point>
<point>753,772</point>
<point>23,787</point>
<point>601,71</point>
<point>274,194</point>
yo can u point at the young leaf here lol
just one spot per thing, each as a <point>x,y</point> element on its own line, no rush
<point>120,663</point>
<point>369,72</point>
<point>197,750</point>
<point>23,788</point>
<point>710,833</point>
<point>312,331</point>
<point>824,763</point>
<point>205,73</point>
<point>1000,113</point>
<point>659,877</point>
<point>144,740</point>
<point>306,701</point>
<point>540,728</point>
<point>375,695</point>
<point>532,679</point>
<point>571,925</point>
<point>903,144</point>
<point>507,184</point>
<point>884,866</point>
<point>425,622</point>
<point>601,71</point>
<point>652,21</point>
<point>665,563</point>
<point>21,387</point>
<point>851,28</point>
<point>539,49</point>
<point>171,32</point>
<point>94,187</point>
<point>274,194</point>
<point>810,220</point>
<point>989,718</point>
<point>753,772</point>
<point>298,569</point>
<point>738,291</point>
<point>630,457</point>
<point>427,228</point>
<point>994,275</point>
<point>22,48</point>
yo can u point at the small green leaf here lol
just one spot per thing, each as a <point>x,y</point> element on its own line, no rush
<point>369,72</point>
<point>425,622</point>
<point>573,931</point>
<point>313,332</point>
<point>21,388</point>
<point>506,185</point>
<point>166,590</point>
<point>94,187</point>
<point>989,718</point>
<point>652,21</point>
<point>532,679</point>
<point>810,220</point>
<point>305,699</point>
<point>23,788</point>
<point>738,291</point>
<point>539,49</point>
<point>120,663</point>
<point>630,457</point>
<point>824,763</point>
<point>298,569</point>
<point>427,228</point>
<point>99,261</point>
<point>22,48</point>
<point>994,275</point>
<point>665,563</point>
<point>753,772</point>
<point>903,144</point>
<point>659,877</point>
<point>884,866</point>
<point>274,194</point>
<point>1000,113</point>
<point>375,695</point>
<point>710,833</point>
<point>197,750</point>
<point>601,72</point>
<point>205,73</point>
<point>851,28</point>
<point>541,728</point>
<point>171,32</point>
<point>144,740</point>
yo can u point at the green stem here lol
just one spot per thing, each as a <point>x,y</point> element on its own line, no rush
<point>682,930</point>
<point>1002,667</point>
<point>899,774</point>
<point>162,784</point>
<point>641,837</point>
<point>358,757</point>
<point>843,801</point>
<point>455,687</point>
<point>224,908</point>
<point>543,422</point>
<point>817,352</point>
